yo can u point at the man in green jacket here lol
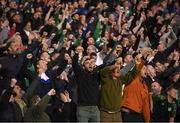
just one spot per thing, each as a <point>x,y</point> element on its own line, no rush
<point>112,79</point>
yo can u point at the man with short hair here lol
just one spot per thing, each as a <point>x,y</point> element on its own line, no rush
<point>164,109</point>
<point>136,101</point>
<point>112,79</point>
<point>88,81</point>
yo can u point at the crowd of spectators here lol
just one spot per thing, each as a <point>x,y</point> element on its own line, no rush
<point>89,61</point>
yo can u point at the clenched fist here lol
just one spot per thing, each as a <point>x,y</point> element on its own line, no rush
<point>51,92</point>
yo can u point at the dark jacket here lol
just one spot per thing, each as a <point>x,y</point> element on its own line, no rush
<point>9,111</point>
<point>24,37</point>
<point>12,64</point>
<point>42,88</point>
<point>88,84</point>
<point>36,113</point>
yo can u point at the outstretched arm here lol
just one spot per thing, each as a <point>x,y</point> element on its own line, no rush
<point>61,67</point>
<point>130,76</point>
<point>131,70</point>
<point>76,67</point>
<point>45,100</point>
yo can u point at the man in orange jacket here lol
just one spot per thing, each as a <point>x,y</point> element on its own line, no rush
<point>136,101</point>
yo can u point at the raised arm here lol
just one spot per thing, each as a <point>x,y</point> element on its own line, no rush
<point>127,68</point>
<point>119,22</point>
<point>170,34</point>
<point>130,71</point>
<point>172,47</point>
<point>104,49</point>
<point>45,100</point>
<point>48,15</point>
<point>4,100</point>
<point>173,38</point>
<point>59,26</point>
<point>130,76</point>
<point>5,97</point>
<point>30,91</point>
<point>76,67</point>
<point>111,56</point>
<point>56,61</point>
<point>35,44</point>
<point>135,29</point>
<point>106,72</point>
<point>62,65</point>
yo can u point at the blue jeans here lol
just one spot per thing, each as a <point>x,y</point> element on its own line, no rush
<point>88,114</point>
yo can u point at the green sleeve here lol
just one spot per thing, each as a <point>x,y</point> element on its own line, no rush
<point>56,19</point>
<point>61,39</point>
<point>44,102</point>
<point>172,110</point>
<point>105,75</point>
<point>77,42</point>
<point>97,32</point>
